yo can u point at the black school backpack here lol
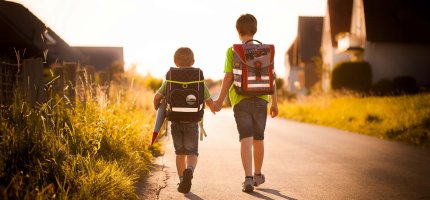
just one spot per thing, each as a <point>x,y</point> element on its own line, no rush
<point>253,68</point>
<point>185,94</point>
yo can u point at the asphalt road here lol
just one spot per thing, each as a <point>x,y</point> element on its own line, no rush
<point>303,162</point>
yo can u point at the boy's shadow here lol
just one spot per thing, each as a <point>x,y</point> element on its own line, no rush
<point>271,191</point>
<point>257,194</point>
<point>192,196</point>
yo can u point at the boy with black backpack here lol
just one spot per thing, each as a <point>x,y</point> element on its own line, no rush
<point>250,80</point>
<point>185,94</point>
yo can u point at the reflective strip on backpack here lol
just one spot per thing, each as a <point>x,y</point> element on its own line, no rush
<point>261,85</point>
<point>253,78</point>
<point>184,109</point>
<point>237,71</point>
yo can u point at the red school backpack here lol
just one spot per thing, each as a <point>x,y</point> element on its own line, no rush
<point>253,68</point>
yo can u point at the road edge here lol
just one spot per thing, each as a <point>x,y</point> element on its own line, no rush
<point>154,181</point>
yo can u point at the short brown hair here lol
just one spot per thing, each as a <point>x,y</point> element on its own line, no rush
<point>246,24</point>
<point>184,57</point>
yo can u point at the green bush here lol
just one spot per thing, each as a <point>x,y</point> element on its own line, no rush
<point>355,76</point>
<point>279,83</point>
<point>405,84</point>
<point>383,87</point>
<point>399,85</point>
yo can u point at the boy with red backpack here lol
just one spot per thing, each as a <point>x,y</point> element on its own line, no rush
<point>250,80</point>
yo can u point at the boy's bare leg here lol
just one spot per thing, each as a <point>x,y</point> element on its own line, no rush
<point>187,173</point>
<point>246,154</point>
<point>192,161</point>
<point>258,155</point>
<point>180,164</point>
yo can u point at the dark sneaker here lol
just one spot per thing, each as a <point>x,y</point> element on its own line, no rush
<point>248,185</point>
<point>259,179</point>
<point>185,184</point>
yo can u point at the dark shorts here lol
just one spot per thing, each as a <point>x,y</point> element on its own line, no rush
<point>185,138</point>
<point>251,115</point>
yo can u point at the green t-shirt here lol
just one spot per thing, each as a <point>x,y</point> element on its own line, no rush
<point>162,91</point>
<point>235,98</point>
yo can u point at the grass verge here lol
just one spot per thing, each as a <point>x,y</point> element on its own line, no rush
<point>96,150</point>
<point>405,119</point>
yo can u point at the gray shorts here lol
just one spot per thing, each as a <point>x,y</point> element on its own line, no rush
<point>251,115</point>
<point>185,138</point>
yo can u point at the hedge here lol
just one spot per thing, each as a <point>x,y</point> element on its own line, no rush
<point>355,76</point>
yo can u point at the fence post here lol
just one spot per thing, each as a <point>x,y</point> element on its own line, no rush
<point>59,83</point>
<point>32,83</point>
<point>104,82</point>
<point>85,84</point>
<point>90,76</point>
<point>7,80</point>
<point>69,73</point>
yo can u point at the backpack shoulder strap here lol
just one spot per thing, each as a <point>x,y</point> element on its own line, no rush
<point>184,83</point>
<point>239,50</point>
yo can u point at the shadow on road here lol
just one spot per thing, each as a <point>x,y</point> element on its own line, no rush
<point>270,191</point>
<point>192,196</point>
<point>260,196</point>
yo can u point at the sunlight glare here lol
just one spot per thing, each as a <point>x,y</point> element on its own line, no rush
<point>150,31</point>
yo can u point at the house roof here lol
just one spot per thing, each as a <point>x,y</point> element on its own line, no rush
<point>22,29</point>
<point>340,12</point>
<point>307,44</point>
<point>102,57</point>
<point>400,21</point>
<point>309,35</point>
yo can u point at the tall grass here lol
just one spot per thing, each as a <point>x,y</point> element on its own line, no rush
<point>404,118</point>
<point>92,150</point>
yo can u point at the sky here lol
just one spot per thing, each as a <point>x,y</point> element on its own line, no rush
<point>151,30</point>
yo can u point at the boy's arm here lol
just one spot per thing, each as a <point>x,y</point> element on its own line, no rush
<point>274,105</point>
<point>225,86</point>
<point>157,100</point>
<point>208,99</point>
<point>210,104</point>
<point>159,95</point>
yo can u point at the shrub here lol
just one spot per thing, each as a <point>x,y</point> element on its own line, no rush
<point>405,84</point>
<point>383,87</point>
<point>397,86</point>
<point>279,83</point>
<point>355,76</point>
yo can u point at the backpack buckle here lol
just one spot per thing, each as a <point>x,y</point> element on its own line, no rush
<point>257,71</point>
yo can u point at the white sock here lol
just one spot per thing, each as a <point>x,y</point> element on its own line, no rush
<point>191,167</point>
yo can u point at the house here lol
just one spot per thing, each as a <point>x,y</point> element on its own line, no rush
<point>102,57</point>
<point>391,35</point>
<point>27,40</point>
<point>303,55</point>
<point>337,20</point>
<point>22,31</point>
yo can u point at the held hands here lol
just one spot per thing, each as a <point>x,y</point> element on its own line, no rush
<point>213,106</point>
<point>217,105</point>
